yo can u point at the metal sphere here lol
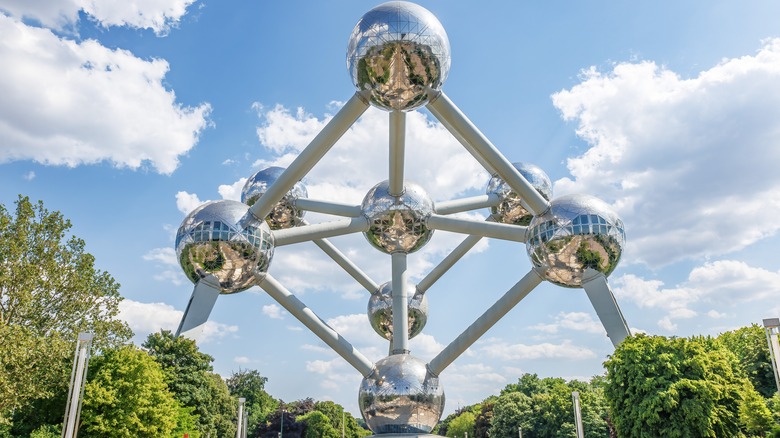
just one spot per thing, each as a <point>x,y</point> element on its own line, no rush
<point>511,209</point>
<point>576,233</point>
<point>224,239</point>
<point>284,213</point>
<point>398,51</point>
<point>401,396</point>
<point>380,311</point>
<point>398,223</point>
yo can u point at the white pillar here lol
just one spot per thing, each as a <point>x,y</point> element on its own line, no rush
<point>771,326</point>
<point>575,396</point>
<point>240,421</point>
<point>76,390</point>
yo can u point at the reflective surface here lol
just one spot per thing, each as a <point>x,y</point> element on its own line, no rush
<point>401,396</point>
<point>397,50</point>
<point>380,311</point>
<point>283,215</point>
<point>224,239</point>
<point>578,232</point>
<point>397,222</point>
<point>511,209</point>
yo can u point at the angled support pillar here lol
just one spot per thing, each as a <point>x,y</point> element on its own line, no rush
<point>204,295</point>
<point>606,307</point>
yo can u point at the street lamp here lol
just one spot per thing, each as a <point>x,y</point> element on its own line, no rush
<point>772,326</point>
<point>281,427</point>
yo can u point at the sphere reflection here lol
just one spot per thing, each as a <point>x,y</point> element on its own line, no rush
<point>576,233</point>
<point>401,396</point>
<point>397,51</point>
<point>380,311</point>
<point>224,239</point>
<point>398,223</point>
<point>511,209</point>
<point>284,214</point>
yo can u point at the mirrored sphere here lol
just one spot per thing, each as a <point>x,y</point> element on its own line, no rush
<point>397,51</point>
<point>576,233</point>
<point>511,209</point>
<point>398,223</point>
<point>380,311</point>
<point>224,239</point>
<point>284,214</point>
<point>401,396</point>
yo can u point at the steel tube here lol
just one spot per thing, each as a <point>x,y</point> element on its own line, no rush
<point>317,148</point>
<point>400,306</point>
<point>317,326</point>
<point>347,265</point>
<point>487,320</point>
<point>514,233</point>
<point>327,207</point>
<point>304,233</point>
<point>467,204</point>
<point>397,146</point>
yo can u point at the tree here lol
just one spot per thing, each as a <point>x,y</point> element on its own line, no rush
<point>50,291</point>
<point>750,346</point>
<point>188,373</point>
<point>126,396</point>
<point>259,404</point>
<point>461,425</point>
<point>676,387</point>
<point>318,426</point>
<point>336,415</point>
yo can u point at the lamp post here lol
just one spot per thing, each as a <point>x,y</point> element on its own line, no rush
<point>771,327</point>
<point>240,421</point>
<point>281,427</point>
<point>575,396</point>
<point>76,390</point>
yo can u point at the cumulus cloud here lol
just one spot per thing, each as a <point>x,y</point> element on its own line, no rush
<point>688,163</point>
<point>502,350</point>
<point>719,284</point>
<point>576,321</point>
<point>146,318</point>
<point>186,202</point>
<point>157,15</point>
<point>73,103</point>
<point>273,311</point>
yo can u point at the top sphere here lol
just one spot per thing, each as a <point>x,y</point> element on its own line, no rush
<point>284,213</point>
<point>223,238</point>
<point>511,209</point>
<point>577,232</point>
<point>398,50</point>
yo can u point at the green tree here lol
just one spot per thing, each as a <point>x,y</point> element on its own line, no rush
<point>675,387</point>
<point>318,426</point>
<point>188,373</point>
<point>50,291</point>
<point>750,346</point>
<point>336,415</point>
<point>126,396</point>
<point>259,404</point>
<point>461,425</point>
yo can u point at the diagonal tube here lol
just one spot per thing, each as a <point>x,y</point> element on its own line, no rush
<point>607,309</point>
<point>452,118</point>
<point>485,322</point>
<point>204,296</point>
<point>514,233</point>
<point>347,265</point>
<point>288,236</point>
<point>448,262</point>
<point>319,146</point>
<point>317,326</point>
<point>397,149</point>
<point>445,122</point>
<point>400,304</point>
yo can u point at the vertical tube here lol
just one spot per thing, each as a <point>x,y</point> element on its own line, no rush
<point>444,110</point>
<point>397,148</point>
<point>400,306</point>
<point>76,391</point>
<point>485,322</point>
<point>575,396</point>
<point>240,420</point>
<point>312,154</point>
<point>774,350</point>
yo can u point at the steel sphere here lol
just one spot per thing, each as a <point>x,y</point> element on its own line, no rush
<point>511,209</point>
<point>398,51</point>
<point>284,214</point>
<point>576,233</point>
<point>398,223</point>
<point>380,311</point>
<point>401,396</point>
<point>224,239</point>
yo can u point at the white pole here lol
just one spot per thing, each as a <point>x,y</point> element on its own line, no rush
<point>76,391</point>
<point>400,304</point>
<point>519,432</point>
<point>397,147</point>
<point>577,414</point>
<point>770,327</point>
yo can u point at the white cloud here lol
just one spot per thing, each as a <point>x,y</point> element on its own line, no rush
<point>157,15</point>
<point>73,103</point>
<point>232,191</point>
<point>676,155</point>
<point>29,176</point>
<point>514,352</point>
<point>166,256</point>
<point>273,311</point>
<point>146,318</point>
<point>576,321</point>
<point>241,360</point>
<point>186,202</point>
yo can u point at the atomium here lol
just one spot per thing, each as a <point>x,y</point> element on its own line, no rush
<point>576,233</point>
<point>511,209</point>
<point>397,222</point>
<point>284,213</point>
<point>223,239</point>
<point>401,396</point>
<point>380,311</point>
<point>398,51</point>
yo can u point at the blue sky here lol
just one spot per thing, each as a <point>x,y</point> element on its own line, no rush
<point>126,117</point>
